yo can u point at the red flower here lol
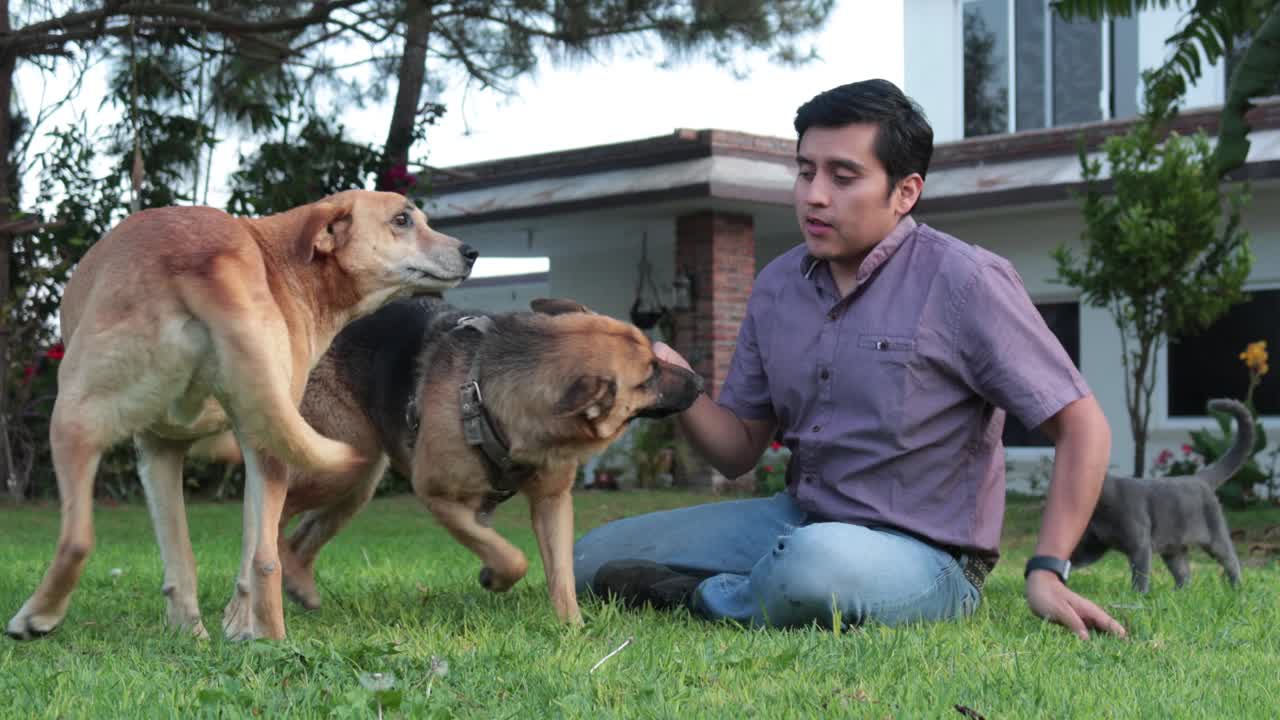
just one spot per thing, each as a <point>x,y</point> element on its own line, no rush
<point>28,372</point>
<point>775,446</point>
<point>1186,449</point>
<point>56,352</point>
<point>1164,457</point>
<point>768,468</point>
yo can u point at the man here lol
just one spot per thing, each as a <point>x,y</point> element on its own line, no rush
<point>883,353</point>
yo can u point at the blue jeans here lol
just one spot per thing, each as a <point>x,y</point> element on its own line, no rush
<point>766,563</point>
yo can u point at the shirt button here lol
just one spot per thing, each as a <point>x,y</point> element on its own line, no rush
<point>810,477</point>
<point>816,428</point>
<point>824,374</point>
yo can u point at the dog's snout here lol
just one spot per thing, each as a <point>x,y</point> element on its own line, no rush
<point>468,253</point>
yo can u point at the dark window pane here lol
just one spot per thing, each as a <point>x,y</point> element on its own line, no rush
<point>986,67</point>
<point>1077,71</point>
<point>1028,21</point>
<point>1126,83</point>
<point>1064,320</point>
<point>1208,365</point>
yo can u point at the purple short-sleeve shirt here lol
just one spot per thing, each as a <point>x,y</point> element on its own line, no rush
<point>892,398</point>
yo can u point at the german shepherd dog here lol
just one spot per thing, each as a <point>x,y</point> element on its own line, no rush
<point>1139,516</point>
<point>475,408</point>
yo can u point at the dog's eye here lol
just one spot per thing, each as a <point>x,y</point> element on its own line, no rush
<point>403,219</point>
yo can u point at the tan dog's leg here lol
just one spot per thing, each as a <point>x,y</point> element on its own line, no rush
<point>504,564</point>
<point>160,468</point>
<point>255,609</point>
<point>316,528</point>
<point>553,525</point>
<point>76,452</point>
<point>262,392</point>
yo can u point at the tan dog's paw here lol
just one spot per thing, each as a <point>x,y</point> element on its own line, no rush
<point>29,627</point>
<point>237,619</point>
<point>31,623</point>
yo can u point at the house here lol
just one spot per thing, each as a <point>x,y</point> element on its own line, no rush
<point>685,220</point>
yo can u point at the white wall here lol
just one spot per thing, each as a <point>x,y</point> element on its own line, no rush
<point>1155,25</point>
<point>498,298</point>
<point>933,66</point>
<point>605,280</point>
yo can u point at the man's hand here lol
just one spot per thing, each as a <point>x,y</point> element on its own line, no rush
<point>1053,601</point>
<point>666,353</point>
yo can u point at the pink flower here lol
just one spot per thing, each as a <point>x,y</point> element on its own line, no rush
<point>768,468</point>
<point>1164,457</point>
<point>1186,449</point>
<point>775,446</point>
<point>57,352</point>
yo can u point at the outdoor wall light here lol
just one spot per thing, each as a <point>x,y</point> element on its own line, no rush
<point>682,291</point>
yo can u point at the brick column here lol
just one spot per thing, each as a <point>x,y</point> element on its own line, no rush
<point>718,250</point>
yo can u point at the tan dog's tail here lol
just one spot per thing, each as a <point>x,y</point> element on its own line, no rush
<point>1235,458</point>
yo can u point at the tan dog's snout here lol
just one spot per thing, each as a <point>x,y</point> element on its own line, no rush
<point>677,389</point>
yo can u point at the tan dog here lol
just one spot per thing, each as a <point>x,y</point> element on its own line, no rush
<point>558,385</point>
<point>184,322</point>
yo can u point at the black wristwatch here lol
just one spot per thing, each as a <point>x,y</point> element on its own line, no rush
<point>1057,566</point>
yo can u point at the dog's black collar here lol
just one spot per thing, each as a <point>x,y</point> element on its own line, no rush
<point>505,474</point>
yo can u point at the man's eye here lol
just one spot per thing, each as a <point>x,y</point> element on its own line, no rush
<point>845,179</point>
<point>806,174</point>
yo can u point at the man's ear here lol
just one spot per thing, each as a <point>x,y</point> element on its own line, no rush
<point>324,231</point>
<point>558,306</point>
<point>591,396</point>
<point>908,193</point>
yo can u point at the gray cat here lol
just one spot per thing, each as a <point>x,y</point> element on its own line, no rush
<point>1167,515</point>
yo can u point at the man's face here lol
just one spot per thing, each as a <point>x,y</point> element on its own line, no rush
<point>842,193</point>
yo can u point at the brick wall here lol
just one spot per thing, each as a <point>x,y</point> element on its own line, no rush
<point>718,249</point>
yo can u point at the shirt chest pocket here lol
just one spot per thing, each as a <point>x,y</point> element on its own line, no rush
<point>878,378</point>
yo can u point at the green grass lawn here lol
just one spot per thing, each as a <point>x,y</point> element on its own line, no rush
<point>401,599</point>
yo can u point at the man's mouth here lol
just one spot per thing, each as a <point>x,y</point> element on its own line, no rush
<point>816,226</point>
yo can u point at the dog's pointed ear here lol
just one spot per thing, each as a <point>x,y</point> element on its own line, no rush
<point>324,230</point>
<point>558,306</point>
<point>591,396</point>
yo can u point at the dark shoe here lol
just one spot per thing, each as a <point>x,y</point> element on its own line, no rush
<point>637,582</point>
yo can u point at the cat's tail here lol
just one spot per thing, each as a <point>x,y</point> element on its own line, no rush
<point>1232,460</point>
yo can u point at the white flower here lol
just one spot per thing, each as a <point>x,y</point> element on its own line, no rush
<point>377,682</point>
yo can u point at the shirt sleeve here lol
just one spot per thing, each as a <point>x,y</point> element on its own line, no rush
<point>1007,353</point>
<point>745,391</point>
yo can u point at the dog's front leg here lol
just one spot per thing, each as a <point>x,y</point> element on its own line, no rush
<point>255,610</point>
<point>553,525</point>
<point>504,564</point>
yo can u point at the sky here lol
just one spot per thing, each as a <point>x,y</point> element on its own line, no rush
<point>618,99</point>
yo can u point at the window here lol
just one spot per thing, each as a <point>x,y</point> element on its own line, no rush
<point>1063,320</point>
<point>1208,365</point>
<point>1062,72</point>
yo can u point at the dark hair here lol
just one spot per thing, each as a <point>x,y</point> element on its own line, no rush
<point>904,139</point>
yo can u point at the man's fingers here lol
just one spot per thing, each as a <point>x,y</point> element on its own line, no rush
<point>1097,618</point>
<point>1067,616</point>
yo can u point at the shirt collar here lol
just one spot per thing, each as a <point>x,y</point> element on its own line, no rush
<point>875,258</point>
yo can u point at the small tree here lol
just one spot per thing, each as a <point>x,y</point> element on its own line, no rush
<point>1159,254</point>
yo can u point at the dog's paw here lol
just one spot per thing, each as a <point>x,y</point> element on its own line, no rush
<point>237,619</point>
<point>26,626</point>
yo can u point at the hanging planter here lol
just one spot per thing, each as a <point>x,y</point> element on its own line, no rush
<point>646,313</point>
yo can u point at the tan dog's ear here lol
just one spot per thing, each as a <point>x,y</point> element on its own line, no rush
<point>324,231</point>
<point>590,395</point>
<point>558,306</point>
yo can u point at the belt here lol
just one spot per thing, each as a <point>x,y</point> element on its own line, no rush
<point>975,568</point>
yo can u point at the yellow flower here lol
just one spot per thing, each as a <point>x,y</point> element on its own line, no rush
<point>1255,357</point>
